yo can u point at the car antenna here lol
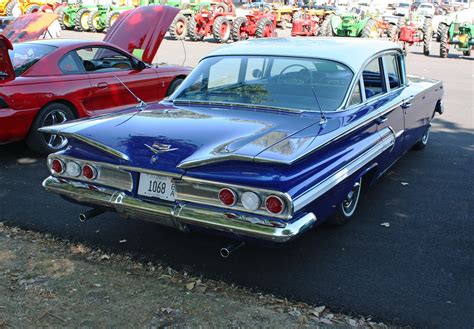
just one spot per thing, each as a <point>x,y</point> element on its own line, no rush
<point>323,119</point>
<point>141,103</point>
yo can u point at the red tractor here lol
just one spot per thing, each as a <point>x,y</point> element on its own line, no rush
<point>213,22</point>
<point>410,34</point>
<point>254,24</point>
<point>305,27</point>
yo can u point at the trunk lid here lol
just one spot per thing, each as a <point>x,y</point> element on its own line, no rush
<point>29,27</point>
<point>140,31</point>
<point>174,139</point>
<point>6,68</point>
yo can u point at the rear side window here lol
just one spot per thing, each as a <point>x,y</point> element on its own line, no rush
<point>393,70</point>
<point>69,65</point>
<point>373,79</point>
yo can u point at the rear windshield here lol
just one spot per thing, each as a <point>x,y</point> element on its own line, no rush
<point>279,82</point>
<point>25,55</point>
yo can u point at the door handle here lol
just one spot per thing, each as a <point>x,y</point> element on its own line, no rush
<point>381,119</point>
<point>407,102</point>
<point>102,85</point>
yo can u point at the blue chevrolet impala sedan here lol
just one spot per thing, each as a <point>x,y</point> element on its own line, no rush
<point>264,140</point>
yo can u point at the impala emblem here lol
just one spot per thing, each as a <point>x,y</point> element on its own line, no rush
<point>158,148</point>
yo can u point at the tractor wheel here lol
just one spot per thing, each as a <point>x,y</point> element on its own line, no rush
<point>193,31</point>
<point>111,18</point>
<point>467,52</point>
<point>221,8</point>
<point>82,17</point>
<point>427,36</point>
<point>32,9</point>
<point>441,26</point>
<point>444,42</point>
<point>64,20</point>
<point>325,29</point>
<point>94,21</point>
<point>221,29</point>
<point>238,29</point>
<point>9,8</point>
<point>392,32</point>
<point>264,28</point>
<point>369,30</point>
<point>179,27</point>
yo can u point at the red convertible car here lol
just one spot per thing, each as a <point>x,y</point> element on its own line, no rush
<point>49,81</point>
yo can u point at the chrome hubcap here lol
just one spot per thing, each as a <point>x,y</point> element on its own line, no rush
<point>425,137</point>
<point>53,141</point>
<point>350,202</point>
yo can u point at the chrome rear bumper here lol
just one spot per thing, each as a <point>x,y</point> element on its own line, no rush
<point>180,215</point>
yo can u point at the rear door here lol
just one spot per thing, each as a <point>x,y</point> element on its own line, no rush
<point>107,69</point>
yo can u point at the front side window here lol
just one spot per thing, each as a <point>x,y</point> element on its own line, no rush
<point>279,82</point>
<point>373,79</point>
<point>25,55</point>
<point>393,70</point>
<point>102,59</point>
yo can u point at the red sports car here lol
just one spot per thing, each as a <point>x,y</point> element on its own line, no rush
<point>50,81</point>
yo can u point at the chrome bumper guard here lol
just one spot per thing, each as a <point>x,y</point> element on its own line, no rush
<point>178,215</point>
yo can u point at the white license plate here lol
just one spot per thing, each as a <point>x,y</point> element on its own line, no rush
<point>157,187</point>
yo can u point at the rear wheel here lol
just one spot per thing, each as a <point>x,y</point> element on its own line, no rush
<point>64,20</point>
<point>111,18</point>
<point>221,8</point>
<point>444,42</point>
<point>467,52</point>
<point>427,36</point>
<point>179,27</point>
<point>423,141</point>
<point>194,31</point>
<point>264,28</point>
<point>82,17</point>
<point>239,29</point>
<point>346,210</point>
<point>52,114</point>
<point>369,30</point>
<point>32,9</point>
<point>221,29</point>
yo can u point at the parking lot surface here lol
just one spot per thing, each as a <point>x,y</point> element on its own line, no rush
<point>417,270</point>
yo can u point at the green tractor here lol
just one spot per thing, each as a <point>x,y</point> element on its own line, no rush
<point>75,16</point>
<point>352,25</point>
<point>103,17</point>
<point>461,35</point>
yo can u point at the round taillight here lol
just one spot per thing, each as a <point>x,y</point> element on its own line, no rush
<point>274,205</point>
<point>89,172</point>
<point>250,201</point>
<point>73,169</point>
<point>227,197</point>
<point>57,166</point>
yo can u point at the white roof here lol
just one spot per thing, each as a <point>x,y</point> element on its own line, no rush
<point>350,51</point>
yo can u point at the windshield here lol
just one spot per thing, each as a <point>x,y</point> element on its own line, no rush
<point>403,4</point>
<point>275,82</point>
<point>24,55</point>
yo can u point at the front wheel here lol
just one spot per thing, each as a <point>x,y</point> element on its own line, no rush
<point>348,207</point>
<point>52,114</point>
<point>175,84</point>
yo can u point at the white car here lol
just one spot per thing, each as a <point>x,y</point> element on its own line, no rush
<point>426,9</point>
<point>402,9</point>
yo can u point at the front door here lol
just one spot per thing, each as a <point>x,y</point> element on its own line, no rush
<point>111,74</point>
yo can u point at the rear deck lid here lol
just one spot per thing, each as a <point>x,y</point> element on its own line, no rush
<point>140,31</point>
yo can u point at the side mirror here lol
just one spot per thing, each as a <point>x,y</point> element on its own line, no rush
<point>257,74</point>
<point>138,65</point>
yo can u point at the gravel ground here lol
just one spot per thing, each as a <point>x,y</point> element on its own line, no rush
<point>49,282</point>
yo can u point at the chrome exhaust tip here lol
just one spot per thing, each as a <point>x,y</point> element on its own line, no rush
<point>226,251</point>
<point>89,214</point>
